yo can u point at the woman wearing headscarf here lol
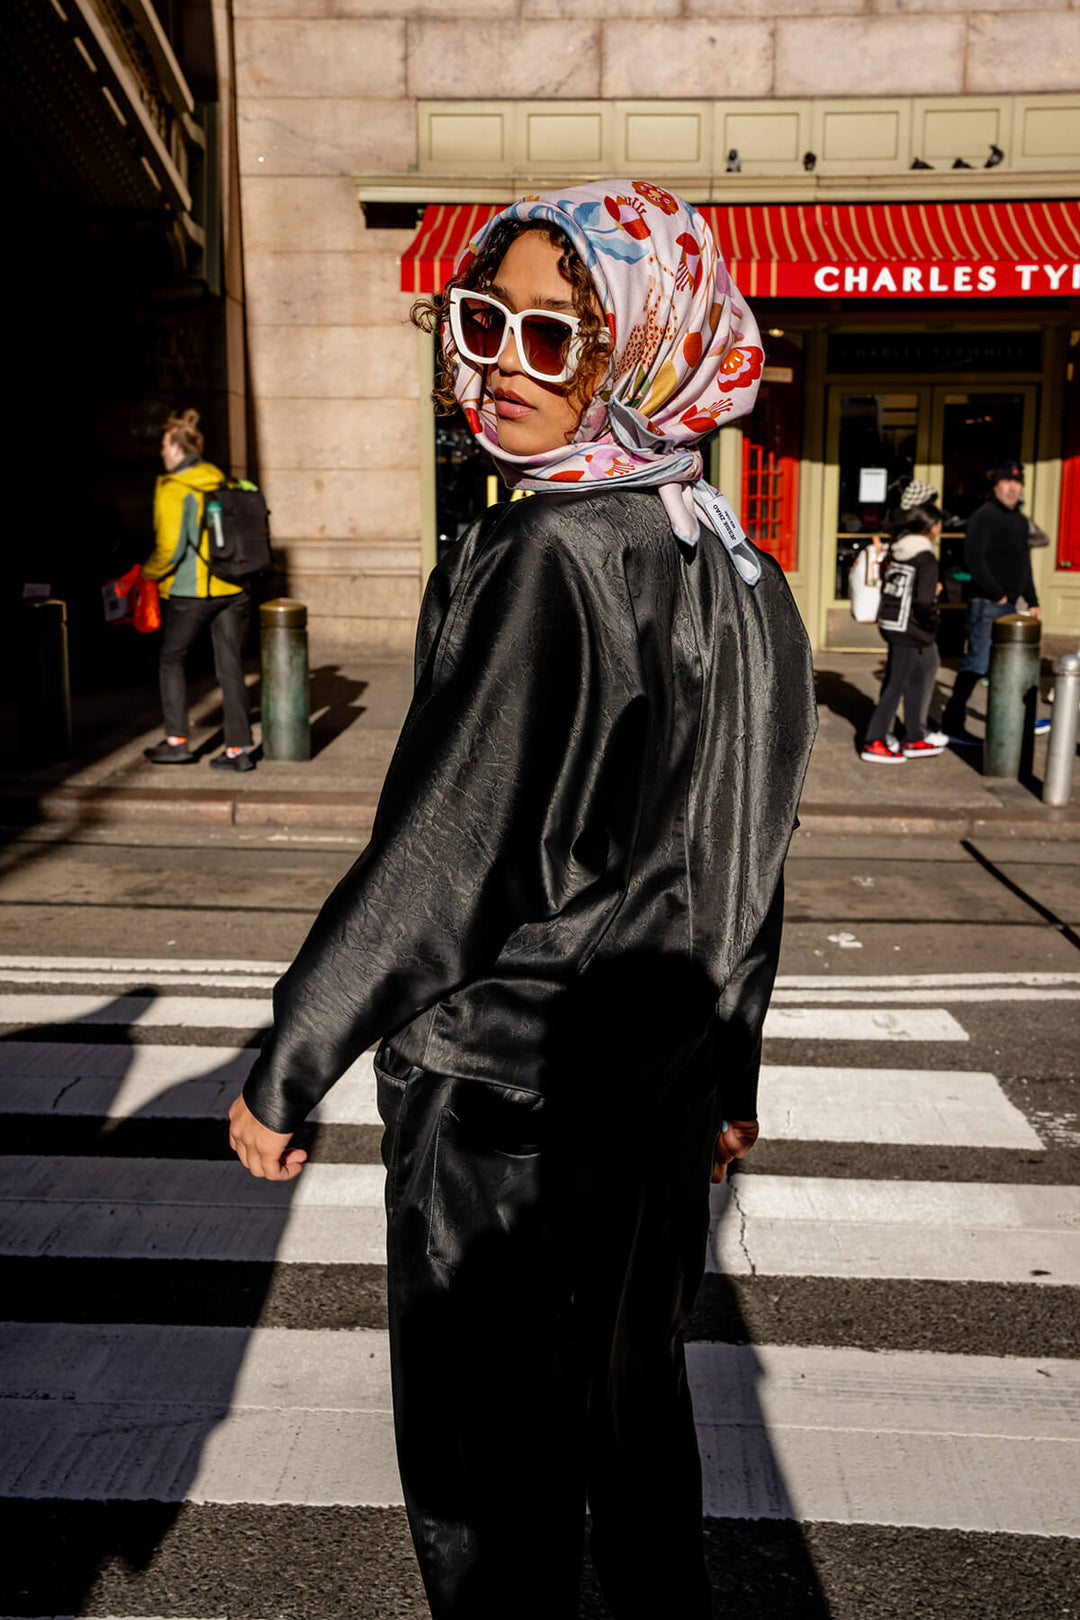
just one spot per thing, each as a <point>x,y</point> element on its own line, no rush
<point>565,928</point>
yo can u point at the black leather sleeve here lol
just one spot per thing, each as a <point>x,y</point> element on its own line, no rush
<point>497,765</point>
<point>740,1017</point>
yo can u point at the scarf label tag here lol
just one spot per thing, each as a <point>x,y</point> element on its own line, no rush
<point>724,520</point>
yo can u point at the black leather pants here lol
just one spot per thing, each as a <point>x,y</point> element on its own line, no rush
<point>543,1254</point>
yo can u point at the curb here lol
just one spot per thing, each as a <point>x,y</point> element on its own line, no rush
<point>355,812</point>
<point>213,807</point>
<point>1042,821</point>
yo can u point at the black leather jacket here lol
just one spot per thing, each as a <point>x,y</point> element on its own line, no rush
<point>576,861</point>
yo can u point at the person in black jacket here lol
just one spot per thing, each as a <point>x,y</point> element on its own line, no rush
<point>998,558</point>
<point>566,926</point>
<point>908,619</point>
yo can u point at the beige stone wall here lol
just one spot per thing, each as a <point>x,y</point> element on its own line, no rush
<point>327,89</point>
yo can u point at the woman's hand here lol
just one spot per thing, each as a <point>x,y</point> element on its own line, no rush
<point>734,1142</point>
<point>260,1150</point>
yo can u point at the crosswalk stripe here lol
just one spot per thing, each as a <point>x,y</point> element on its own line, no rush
<point>787,1226</point>
<point>953,1107</point>
<point>771,1225</point>
<point>861,1024</point>
<point>297,1416</point>
<point>220,973</point>
<point>879,997</point>
<point>225,1012</point>
<point>181,1209</point>
<point>155,1082</point>
<point>181,1012</point>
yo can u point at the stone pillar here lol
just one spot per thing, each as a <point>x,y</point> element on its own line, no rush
<point>332,356</point>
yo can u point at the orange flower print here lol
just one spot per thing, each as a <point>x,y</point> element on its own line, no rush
<point>657,195</point>
<point>627,212</point>
<point>739,367</point>
<point>688,273</point>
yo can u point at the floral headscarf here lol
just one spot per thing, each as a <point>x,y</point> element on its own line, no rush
<point>686,355</point>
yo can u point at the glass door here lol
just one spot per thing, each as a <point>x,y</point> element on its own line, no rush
<point>947,434</point>
<point>876,441</point>
<point>973,431</point>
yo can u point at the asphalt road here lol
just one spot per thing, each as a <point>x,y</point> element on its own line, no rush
<point>891,1352</point>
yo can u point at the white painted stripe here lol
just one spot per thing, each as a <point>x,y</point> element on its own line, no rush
<point>946,1107</point>
<point>225,1012</point>
<point>199,966</point>
<point>792,1226</point>
<point>858,1437</point>
<point>124,981</point>
<point>149,1012</point>
<point>808,1104</point>
<point>916,997</point>
<point>228,970</point>
<point>917,981</point>
<point>65,1078</point>
<point>775,1225</point>
<point>859,1024</point>
<point>300,1416</point>
<point>178,1209</point>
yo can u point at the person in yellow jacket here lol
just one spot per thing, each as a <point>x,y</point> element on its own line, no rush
<point>192,597</point>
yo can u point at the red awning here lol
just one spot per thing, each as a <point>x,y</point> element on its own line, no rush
<point>429,259</point>
<point>845,250</point>
<point>910,250</point>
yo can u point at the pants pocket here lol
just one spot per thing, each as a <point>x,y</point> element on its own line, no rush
<point>485,1189</point>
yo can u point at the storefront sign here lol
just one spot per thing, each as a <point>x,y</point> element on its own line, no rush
<point>943,279</point>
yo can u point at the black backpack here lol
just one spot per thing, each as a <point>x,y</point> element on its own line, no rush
<point>236,524</point>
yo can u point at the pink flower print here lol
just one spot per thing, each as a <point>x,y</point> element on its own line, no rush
<point>657,195</point>
<point>627,212</point>
<point>739,367</point>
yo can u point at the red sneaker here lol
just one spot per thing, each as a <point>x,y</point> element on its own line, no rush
<point>881,754</point>
<point>922,750</point>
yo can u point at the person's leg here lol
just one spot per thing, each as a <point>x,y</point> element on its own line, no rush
<point>931,664</point>
<point>229,625</point>
<point>916,693</point>
<point>975,662</point>
<point>184,617</point>
<point>488,1376</point>
<point>647,1247</point>
<point>881,720</point>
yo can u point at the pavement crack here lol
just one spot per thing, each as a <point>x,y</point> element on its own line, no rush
<point>62,1093</point>
<point>748,1257</point>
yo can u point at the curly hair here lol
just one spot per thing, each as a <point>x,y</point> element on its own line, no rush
<point>182,428</point>
<point>595,349</point>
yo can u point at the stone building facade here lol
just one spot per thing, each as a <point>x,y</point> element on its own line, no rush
<point>331,90</point>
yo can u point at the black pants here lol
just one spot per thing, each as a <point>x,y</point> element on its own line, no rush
<point>539,1276</point>
<point>227,617</point>
<point>910,676</point>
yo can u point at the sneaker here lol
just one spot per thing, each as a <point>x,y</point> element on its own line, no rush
<point>167,753</point>
<point>965,739</point>
<point>923,749</point>
<point>232,762</point>
<point>891,743</point>
<point>1042,728</point>
<point>939,739</point>
<point>880,753</point>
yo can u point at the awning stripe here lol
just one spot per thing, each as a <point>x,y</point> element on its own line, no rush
<point>786,249</point>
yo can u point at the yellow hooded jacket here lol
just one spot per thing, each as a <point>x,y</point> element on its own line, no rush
<point>179,559</point>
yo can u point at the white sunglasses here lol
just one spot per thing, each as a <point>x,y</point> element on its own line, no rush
<point>547,344</point>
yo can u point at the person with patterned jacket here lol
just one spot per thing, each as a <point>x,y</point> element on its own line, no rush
<point>194,597</point>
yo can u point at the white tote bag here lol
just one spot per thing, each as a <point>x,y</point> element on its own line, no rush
<point>864,585</point>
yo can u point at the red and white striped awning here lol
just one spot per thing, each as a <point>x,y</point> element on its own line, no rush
<point>843,250</point>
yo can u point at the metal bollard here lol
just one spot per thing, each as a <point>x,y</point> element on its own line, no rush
<point>44,688</point>
<point>1057,784</point>
<point>1014,687</point>
<point>286,706</point>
